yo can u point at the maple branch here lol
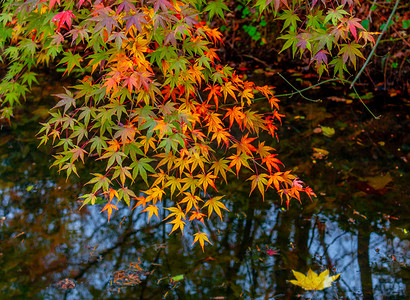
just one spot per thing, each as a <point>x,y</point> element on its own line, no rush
<point>298,91</point>
<point>375,46</point>
<point>368,109</point>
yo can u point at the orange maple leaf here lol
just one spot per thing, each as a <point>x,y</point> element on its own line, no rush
<point>271,161</point>
<point>109,207</point>
<point>198,216</point>
<point>238,160</point>
<point>235,114</point>
<point>215,93</point>
<point>245,146</point>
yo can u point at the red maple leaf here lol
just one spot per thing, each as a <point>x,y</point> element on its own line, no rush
<point>64,17</point>
<point>352,23</point>
<point>272,252</point>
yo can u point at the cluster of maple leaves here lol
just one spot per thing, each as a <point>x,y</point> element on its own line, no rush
<point>327,31</point>
<point>152,103</point>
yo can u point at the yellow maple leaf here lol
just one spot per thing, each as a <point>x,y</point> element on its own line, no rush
<point>215,205</point>
<point>201,237</point>
<point>151,209</point>
<point>313,281</point>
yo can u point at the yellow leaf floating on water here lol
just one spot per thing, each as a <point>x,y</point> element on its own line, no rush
<point>313,281</point>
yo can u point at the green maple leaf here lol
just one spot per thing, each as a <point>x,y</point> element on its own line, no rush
<point>216,8</point>
<point>71,60</point>
<point>339,66</point>
<point>350,51</point>
<point>335,15</point>
<point>290,18</point>
<point>141,167</point>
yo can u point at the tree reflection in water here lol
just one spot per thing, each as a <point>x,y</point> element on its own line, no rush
<point>51,250</point>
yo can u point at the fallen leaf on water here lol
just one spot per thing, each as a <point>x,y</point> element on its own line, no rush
<point>313,281</point>
<point>379,182</point>
<point>178,277</point>
<point>328,131</point>
<point>319,153</point>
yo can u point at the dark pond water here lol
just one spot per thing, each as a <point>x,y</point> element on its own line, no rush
<point>358,226</point>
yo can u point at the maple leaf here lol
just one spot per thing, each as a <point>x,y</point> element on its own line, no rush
<point>214,91</point>
<point>214,34</point>
<point>190,200</point>
<point>100,181</point>
<point>52,3</point>
<point>335,15</point>
<point>271,161</point>
<point>291,19</point>
<point>352,24</point>
<point>154,194</point>
<point>109,207</point>
<point>198,216</point>
<point>178,223</point>
<point>260,181</point>
<point>367,36</point>
<point>111,194</point>
<point>271,252</point>
<point>222,135</point>
<point>71,60</point>
<point>238,160</point>
<point>87,199</point>
<point>216,7</point>
<point>127,6</point>
<point>309,192</point>
<point>64,17</point>
<point>175,211</point>
<point>164,4</point>
<point>229,88</point>
<point>214,205</point>
<point>278,116</point>
<point>263,150</point>
<point>220,166</point>
<point>248,95</point>
<point>235,114</point>
<point>151,209</point>
<point>77,153</point>
<point>67,100</point>
<point>245,146</point>
<point>123,172</point>
<point>105,20</point>
<point>264,3</point>
<point>275,178</point>
<point>321,56</point>
<point>205,180</point>
<point>201,237</point>
<point>253,121</point>
<point>350,51</point>
<point>141,201</point>
<point>213,122</point>
<point>313,282</point>
<point>174,183</point>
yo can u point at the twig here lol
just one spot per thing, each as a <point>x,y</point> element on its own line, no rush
<point>368,109</point>
<point>298,91</point>
<point>375,46</point>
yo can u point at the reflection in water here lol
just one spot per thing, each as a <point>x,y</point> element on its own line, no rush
<point>357,227</point>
